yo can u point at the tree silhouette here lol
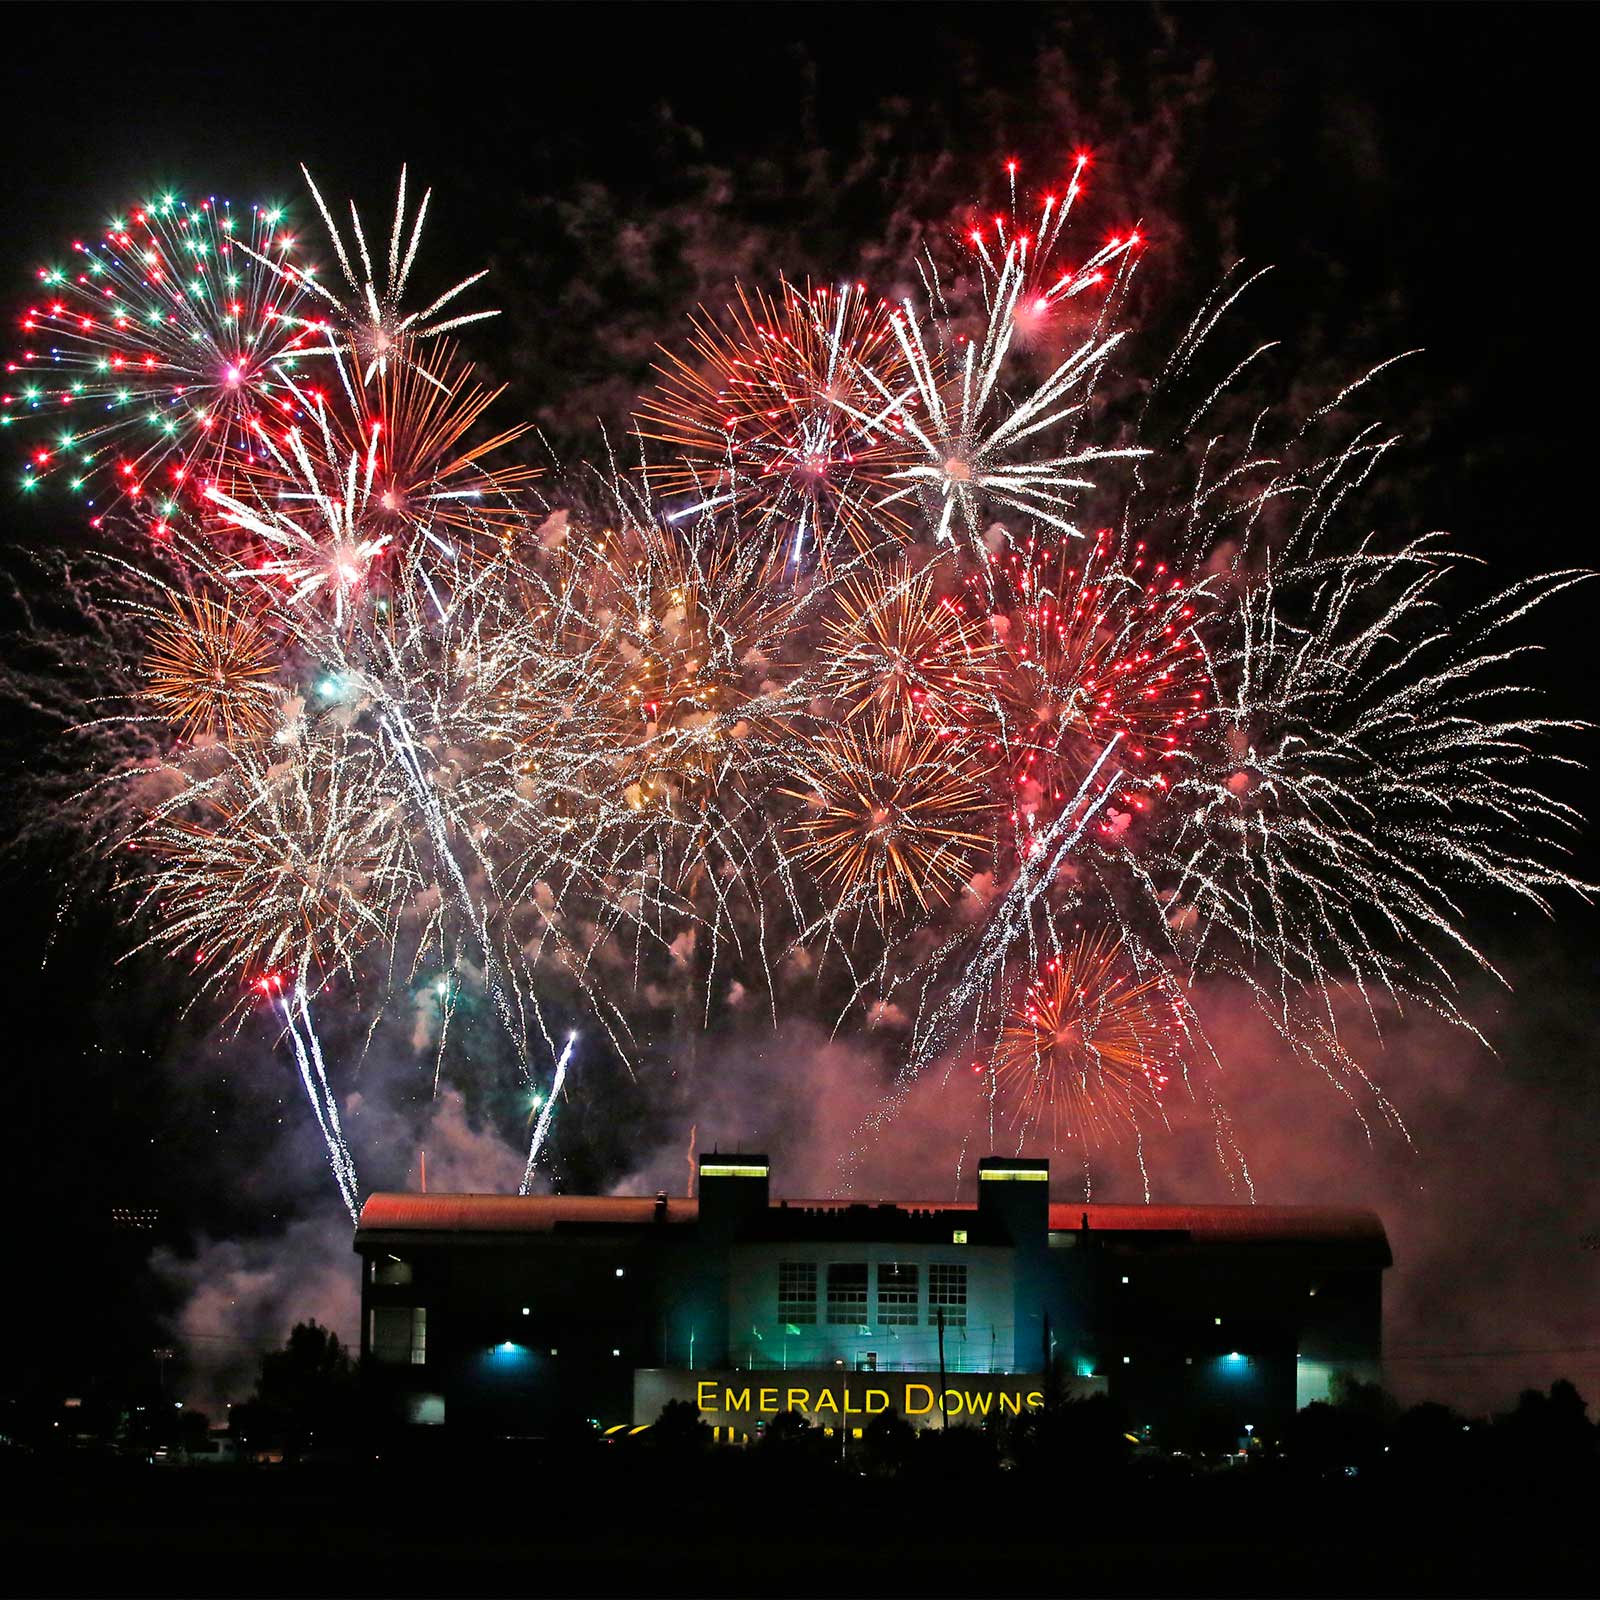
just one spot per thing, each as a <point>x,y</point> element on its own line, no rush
<point>305,1396</point>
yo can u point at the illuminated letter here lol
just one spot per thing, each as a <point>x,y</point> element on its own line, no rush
<point>979,1404</point>
<point>1011,1403</point>
<point>1035,1400</point>
<point>769,1400</point>
<point>704,1400</point>
<point>850,1410</point>
<point>881,1396</point>
<point>953,1410</point>
<point>735,1399</point>
<point>918,1411</point>
<point>826,1402</point>
<point>802,1404</point>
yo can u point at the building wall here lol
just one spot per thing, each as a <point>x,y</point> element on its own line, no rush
<point>589,1320</point>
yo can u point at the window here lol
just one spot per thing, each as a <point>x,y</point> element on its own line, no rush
<point>897,1294</point>
<point>947,1292</point>
<point>847,1292</point>
<point>391,1271</point>
<point>399,1335</point>
<point>958,1236</point>
<point>426,1410</point>
<point>797,1292</point>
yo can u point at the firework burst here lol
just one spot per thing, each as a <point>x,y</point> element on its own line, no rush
<point>210,668</point>
<point>275,869</point>
<point>150,357</point>
<point>1022,253</point>
<point>891,646</point>
<point>372,330</point>
<point>893,823</point>
<point>976,451</point>
<point>1093,641</point>
<point>767,415</point>
<point>327,544</point>
<point>1089,1047</point>
<point>1365,769</point>
<point>696,630</point>
<point>430,481</point>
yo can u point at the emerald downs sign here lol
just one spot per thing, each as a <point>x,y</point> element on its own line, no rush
<point>833,1397</point>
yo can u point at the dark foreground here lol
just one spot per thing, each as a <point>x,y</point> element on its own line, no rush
<point>532,1521</point>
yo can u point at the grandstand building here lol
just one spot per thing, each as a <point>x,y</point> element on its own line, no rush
<point>509,1315</point>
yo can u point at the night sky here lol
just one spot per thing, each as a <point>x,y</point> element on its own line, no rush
<point>1414,174</point>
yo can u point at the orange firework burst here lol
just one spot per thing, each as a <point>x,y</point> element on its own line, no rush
<point>894,820</point>
<point>776,413</point>
<point>209,668</point>
<point>1093,645</point>
<point>428,481</point>
<point>895,648</point>
<point>1090,1046</point>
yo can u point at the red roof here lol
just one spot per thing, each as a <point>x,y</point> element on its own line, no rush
<point>512,1213</point>
<point>507,1213</point>
<point>1223,1224</point>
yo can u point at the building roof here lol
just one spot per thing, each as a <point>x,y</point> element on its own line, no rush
<point>1230,1224</point>
<point>513,1214</point>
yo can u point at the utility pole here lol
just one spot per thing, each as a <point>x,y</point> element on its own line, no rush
<point>944,1410</point>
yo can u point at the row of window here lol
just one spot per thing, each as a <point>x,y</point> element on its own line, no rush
<point>899,1293</point>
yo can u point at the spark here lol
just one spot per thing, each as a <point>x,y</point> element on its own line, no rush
<point>542,1127</point>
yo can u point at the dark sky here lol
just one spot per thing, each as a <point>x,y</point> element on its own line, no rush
<point>1415,173</point>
